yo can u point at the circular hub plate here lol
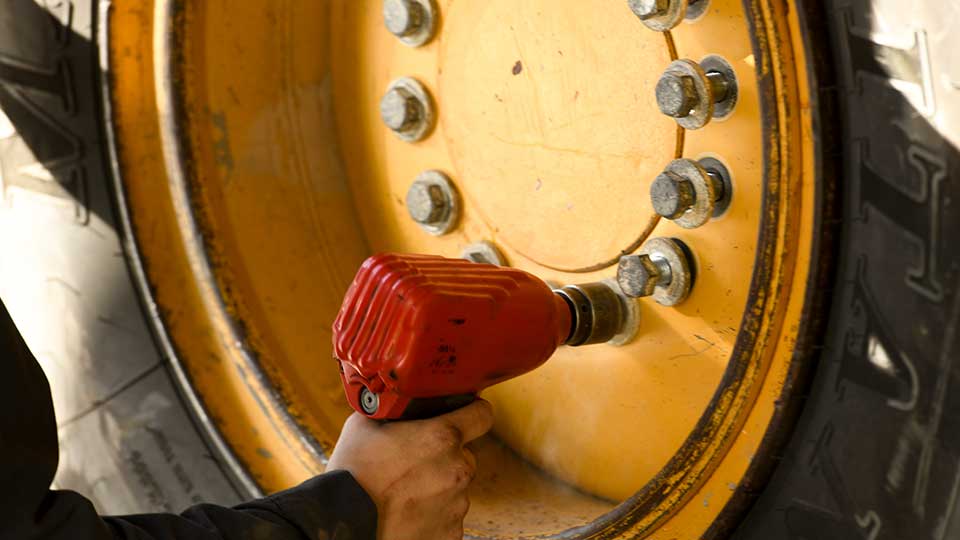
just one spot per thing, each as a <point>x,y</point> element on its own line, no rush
<point>553,135</point>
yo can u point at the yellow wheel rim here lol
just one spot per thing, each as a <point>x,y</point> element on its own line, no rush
<point>257,175</point>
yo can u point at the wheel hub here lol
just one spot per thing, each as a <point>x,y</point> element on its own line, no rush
<point>547,116</point>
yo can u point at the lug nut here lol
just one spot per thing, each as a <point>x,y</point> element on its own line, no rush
<point>676,95</point>
<point>432,202</point>
<point>407,109</point>
<point>426,203</point>
<point>688,193</point>
<point>639,275</point>
<point>672,195</point>
<point>663,15</point>
<point>399,109</point>
<point>483,252</point>
<point>695,93</point>
<point>647,9</point>
<point>402,17</point>
<point>661,269</point>
<point>412,21</point>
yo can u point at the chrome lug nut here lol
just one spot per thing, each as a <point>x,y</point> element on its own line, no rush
<point>433,202</point>
<point>661,269</point>
<point>407,110</point>
<point>672,195</point>
<point>694,94</point>
<point>413,21</point>
<point>639,275</point>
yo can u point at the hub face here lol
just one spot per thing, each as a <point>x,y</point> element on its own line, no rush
<point>579,115</point>
<point>549,124</point>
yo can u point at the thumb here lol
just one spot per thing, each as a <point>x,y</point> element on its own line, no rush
<point>472,420</point>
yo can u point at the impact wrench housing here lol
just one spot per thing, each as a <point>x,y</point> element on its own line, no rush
<point>419,335</point>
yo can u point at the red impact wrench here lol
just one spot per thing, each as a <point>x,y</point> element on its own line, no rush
<point>420,335</point>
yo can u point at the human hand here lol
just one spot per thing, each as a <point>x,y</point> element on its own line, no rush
<point>417,472</point>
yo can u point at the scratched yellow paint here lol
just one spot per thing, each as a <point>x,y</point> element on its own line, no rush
<point>547,125</point>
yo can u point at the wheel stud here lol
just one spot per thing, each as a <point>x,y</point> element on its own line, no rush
<point>662,269</point>
<point>412,21</point>
<point>432,202</point>
<point>663,15</point>
<point>690,192</point>
<point>407,110</point>
<point>694,94</point>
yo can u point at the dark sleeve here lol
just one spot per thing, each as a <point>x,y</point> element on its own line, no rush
<point>330,506</point>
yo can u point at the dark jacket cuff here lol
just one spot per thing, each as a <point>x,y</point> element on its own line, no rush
<point>333,503</point>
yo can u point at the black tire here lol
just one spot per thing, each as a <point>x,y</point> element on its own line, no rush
<point>126,439</point>
<point>876,449</point>
<point>876,452</point>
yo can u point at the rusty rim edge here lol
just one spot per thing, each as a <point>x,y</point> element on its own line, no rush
<point>185,190</point>
<point>813,325</point>
<point>176,157</point>
<point>224,457</point>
